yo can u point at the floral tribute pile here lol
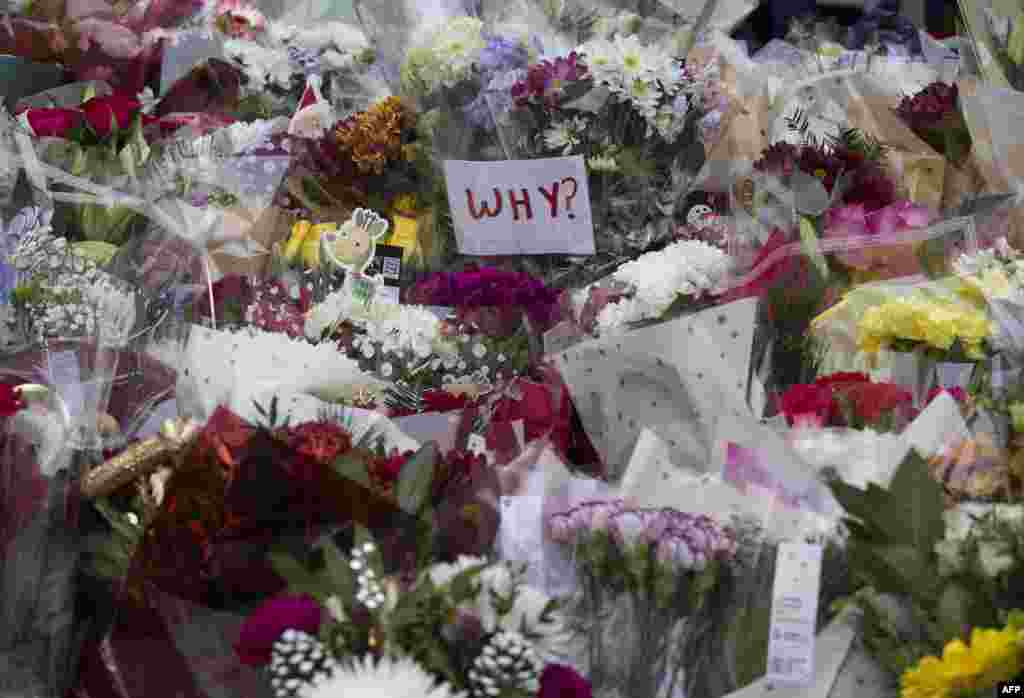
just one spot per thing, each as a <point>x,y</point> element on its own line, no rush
<point>267,428</point>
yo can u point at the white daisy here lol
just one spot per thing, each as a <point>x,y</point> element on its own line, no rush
<point>391,677</point>
<point>565,135</point>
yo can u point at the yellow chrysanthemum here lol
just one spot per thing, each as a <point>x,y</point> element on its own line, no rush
<point>935,323</point>
<point>993,656</point>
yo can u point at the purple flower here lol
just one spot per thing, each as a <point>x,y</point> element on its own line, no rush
<point>478,113</point>
<point>266,625</point>
<point>502,54</point>
<point>560,681</point>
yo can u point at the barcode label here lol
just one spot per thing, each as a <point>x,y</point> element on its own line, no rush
<point>787,667</point>
<point>391,268</point>
<point>794,614</point>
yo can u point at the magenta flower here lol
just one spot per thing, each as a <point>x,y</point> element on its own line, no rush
<point>899,217</point>
<point>546,81</point>
<point>266,625</point>
<point>560,681</point>
<point>53,123</point>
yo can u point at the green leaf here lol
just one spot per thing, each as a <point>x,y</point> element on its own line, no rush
<point>464,585</point>
<point>300,580</point>
<point>898,569</point>
<point>339,571</point>
<point>416,479</point>
<point>918,502</point>
<point>954,611</point>
<point>811,248</point>
<point>353,468</point>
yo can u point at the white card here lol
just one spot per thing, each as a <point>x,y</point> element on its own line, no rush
<point>794,614</point>
<point>66,375</point>
<point>521,207</point>
<point>521,536</point>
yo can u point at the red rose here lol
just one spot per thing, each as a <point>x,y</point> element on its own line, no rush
<point>53,123</point>
<point>803,403</point>
<point>102,111</point>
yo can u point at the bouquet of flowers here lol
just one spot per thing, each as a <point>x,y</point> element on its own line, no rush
<point>632,110</point>
<point>654,581</point>
<point>462,628</point>
<point>847,399</point>
<point>276,59</point>
<point>931,617</point>
<point>656,286</point>
<point>950,330</point>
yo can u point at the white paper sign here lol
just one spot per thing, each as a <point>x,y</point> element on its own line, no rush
<point>519,207</point>
<point>794,614</point>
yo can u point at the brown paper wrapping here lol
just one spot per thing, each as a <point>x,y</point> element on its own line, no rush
<point>744,131</point>
<point>266,227</point>
<point>919,171</point>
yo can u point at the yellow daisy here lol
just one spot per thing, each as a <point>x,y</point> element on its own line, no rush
<point>992,656</point>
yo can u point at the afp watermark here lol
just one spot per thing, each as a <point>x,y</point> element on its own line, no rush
<point>1010,688</point>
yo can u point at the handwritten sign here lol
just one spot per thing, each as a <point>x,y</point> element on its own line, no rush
<point>517,207</point>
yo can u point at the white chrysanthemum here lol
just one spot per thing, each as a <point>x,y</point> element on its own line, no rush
<point>565,135</point>
<point>388,676</point>
<point>690,267</point>
<point>445,56</point>
<point>527,609</point>
<point>601,60</point>
<point>342,37</point>
<point>637,60</point>
<point>602,164</point>
<point>264,67</point>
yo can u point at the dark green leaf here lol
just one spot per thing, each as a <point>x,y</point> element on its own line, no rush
<point>898,569</point>
<point>464,585</point>
<point>352,467</point>
<point>918,502</point>
<point>300,580</point>
<point>339,571</point>
<point>416,480</point>
<point>954,611</point>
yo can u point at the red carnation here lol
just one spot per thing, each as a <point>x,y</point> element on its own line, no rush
<point>808,403</point>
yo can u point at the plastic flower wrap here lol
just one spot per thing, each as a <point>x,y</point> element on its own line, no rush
<point>276,59</point>
<point>630,108</point>
<point>666,573</point>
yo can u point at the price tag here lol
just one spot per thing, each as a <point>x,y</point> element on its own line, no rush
<point>794,614</point>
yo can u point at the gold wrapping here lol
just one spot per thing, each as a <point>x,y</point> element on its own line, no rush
<point>139,460</point>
